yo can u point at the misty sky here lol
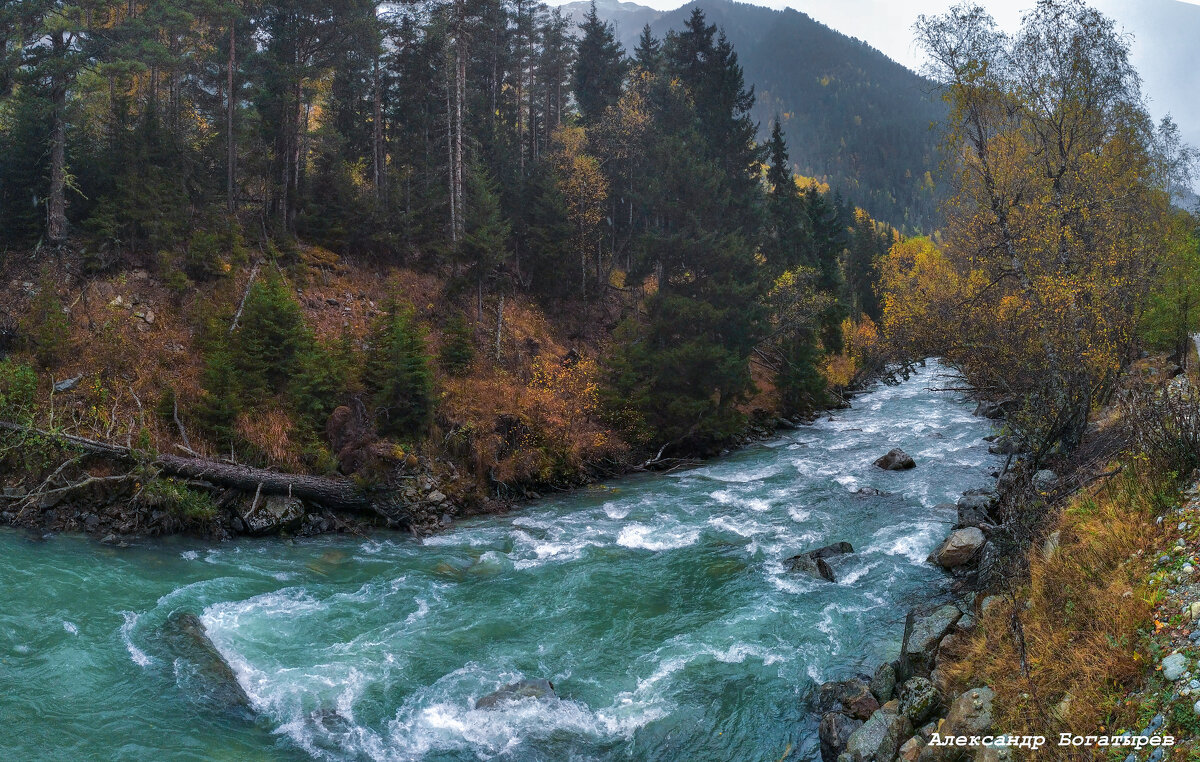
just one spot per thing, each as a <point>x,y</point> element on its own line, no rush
<point>1163,49</point>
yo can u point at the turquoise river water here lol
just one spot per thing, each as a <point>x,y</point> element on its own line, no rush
<point>657,605</point>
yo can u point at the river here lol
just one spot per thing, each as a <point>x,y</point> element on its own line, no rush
<point>657,605</point>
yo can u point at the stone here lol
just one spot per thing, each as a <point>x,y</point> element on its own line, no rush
<point>918,699</point>
<point>970,713</point>
<point>879,739</point>
<point>1005,446</point>
<point>990,602</point>
<point>922,637</point>
<point>537,688</point>
<point>67,384</point>
<point>883,684</point>
<point>896,460</point>
<point>436,497</point>
<point>911,749</point>
<point>836,549</point>
<point>814,567</point>
<point>975,510</point>
<point>1044,480</point>
<point>968,622</point>
<point>851,697</point>
<point>959,548</point>
<point>188,639</point>
<point>834,732</point>
<point>1194,611</point>
<point>1051,545</point>
<point>273,514</point>
<point>1174,666</point>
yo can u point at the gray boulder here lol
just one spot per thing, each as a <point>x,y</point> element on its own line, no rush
<point>537,688</point>
<point>834,732</point>
<point>994,409</point>
<point>918,699</point>
<point>814,567</point>
<point>959,548</point>
<point>836,549</point>
<point>922,633</point>
<point>851,697</point>
<point>273,514</point>
<point>883,684</point>
<point>896,460</point>
<point>202,665</point>
<point>971,713</point>
<point>975,508</point>
<point>1044,480</point>
<point>878,740</point>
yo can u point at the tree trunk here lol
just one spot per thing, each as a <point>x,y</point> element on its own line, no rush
<point>230,139</point>
<point>335,494</point>
<point>377,132</point>
<point>56,211</point>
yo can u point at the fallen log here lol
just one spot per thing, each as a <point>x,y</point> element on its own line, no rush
<point>333,493</point>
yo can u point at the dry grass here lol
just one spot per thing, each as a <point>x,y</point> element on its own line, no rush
<point>1079,614</point>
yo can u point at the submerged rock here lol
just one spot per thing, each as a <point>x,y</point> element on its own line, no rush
<point>896,460</point>
<point>537,688</point>
<point>188,639</point>
<point>836,549</point>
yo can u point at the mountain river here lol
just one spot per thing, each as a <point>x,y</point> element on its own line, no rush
<point>658,605</point>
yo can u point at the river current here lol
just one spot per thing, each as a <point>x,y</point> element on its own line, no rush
<point>657,605</point>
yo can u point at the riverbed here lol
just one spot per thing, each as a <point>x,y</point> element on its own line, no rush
<point>659,606</point>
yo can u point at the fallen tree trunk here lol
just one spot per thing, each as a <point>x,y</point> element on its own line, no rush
<point>335,494</point>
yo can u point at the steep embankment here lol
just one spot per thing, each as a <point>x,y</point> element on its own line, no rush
<point>140,358</point>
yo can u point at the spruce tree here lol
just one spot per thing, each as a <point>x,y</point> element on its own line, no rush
<point>458,346</point>
<point>398,373</point>
<point>599,68</point>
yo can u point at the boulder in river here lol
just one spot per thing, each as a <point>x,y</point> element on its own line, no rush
<point>994,409</point>
<point>188,639</point>
<point>834,549</point>
<point>537,688</point>
<point>852,697</point>
<point>975,508</point>
<point>922,633</point>
<point>815,567</point>
<point>883,684</point>
<point>835,731</point>
<point>959,548</point>
<point>879,739</point>
<point>896,460</point>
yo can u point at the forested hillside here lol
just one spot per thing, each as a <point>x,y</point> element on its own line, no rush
<point>505,241</point>
<point>854,118</point>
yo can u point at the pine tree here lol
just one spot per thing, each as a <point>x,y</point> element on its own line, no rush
<point>269,337</point>
<point>599,68</point>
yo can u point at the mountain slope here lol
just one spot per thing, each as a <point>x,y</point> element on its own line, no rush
<point>853,117</point>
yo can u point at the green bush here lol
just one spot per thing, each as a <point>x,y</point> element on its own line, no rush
<point>46,326</point>
<point>458,349</point>
<point>203,259</point>
<point>175,497</point>
<point>398,373</point>
<point>18,385</point>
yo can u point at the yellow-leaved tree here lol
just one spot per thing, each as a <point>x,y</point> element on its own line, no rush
<point>1054,233</point>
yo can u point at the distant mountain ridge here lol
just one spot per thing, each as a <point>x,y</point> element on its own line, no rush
<point>853,117</point>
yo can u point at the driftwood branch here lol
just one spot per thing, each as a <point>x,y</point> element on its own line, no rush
<point>334,493</point>
<point>242,304</point>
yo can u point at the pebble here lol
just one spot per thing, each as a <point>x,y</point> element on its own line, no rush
<point>1188,569</point>
<point>1174,666</point>
<point>1194,685</point>
<point>1196,707</point>
<point>1162,560</point>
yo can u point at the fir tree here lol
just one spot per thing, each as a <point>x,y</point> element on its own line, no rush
<point>458,346</point>
<point>599,68</point>
<point>398,373</point>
